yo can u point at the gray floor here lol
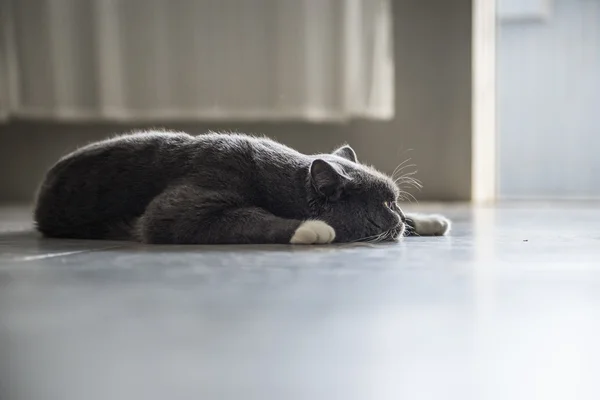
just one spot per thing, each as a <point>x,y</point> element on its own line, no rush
<point>507,307</point>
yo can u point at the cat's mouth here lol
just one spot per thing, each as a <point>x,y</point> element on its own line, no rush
<point>391,235</point>
<point>398,232</point>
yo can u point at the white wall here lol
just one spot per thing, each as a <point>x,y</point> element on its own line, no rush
<point>549,99</point>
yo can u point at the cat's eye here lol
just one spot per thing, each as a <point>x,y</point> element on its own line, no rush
<point>388,204</point>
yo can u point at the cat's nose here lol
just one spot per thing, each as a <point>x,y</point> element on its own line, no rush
<point>395,222</point>
<point>397,209</point>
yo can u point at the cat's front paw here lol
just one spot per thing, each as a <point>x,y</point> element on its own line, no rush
<point>431,225</point>
<point>313,232</point>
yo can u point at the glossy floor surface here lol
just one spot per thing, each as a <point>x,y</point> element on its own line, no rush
<point>506,307</point>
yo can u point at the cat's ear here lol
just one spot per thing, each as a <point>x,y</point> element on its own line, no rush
<point>328,179</point>
<point>346,152</point>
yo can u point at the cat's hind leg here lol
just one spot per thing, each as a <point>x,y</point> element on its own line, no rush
<point>190,215</point>
<point>426,225</point>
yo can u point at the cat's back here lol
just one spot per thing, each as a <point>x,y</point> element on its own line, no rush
<point>113,159</point>
<point>241,149</point>
<point>133,147</point>
<point>109,179</point>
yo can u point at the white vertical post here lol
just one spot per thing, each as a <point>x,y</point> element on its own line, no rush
<point>483,183</point>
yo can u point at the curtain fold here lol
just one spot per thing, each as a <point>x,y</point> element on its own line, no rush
<point>315,60</point>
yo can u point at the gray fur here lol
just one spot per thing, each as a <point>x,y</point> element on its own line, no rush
<point>171,187</point>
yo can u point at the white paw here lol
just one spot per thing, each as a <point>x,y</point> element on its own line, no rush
<point>431,225</point>
<point>313,232</point>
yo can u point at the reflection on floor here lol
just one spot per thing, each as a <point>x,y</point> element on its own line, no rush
<point>506,307</point>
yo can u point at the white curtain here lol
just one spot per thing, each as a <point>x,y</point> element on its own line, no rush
<point>319,60</point>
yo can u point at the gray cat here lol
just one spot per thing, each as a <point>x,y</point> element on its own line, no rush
<point>171,187</point>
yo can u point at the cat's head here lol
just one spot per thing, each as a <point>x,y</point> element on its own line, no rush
<point>359,202</point>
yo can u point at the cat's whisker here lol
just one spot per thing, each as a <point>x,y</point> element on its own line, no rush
<point>371,239</point>
<point>387,236</point>
<point>407,178</point>
<point>396,170</point>
<point>410,195</point>
<point>402,169</point>
<point>411,172</point>
<point>362,239</point>
<point>408,183</point>
<point>376,240</point>
<point>406,187</point>
<point>403,175</point>
<point>414,181</point>
<point>383,237</point>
